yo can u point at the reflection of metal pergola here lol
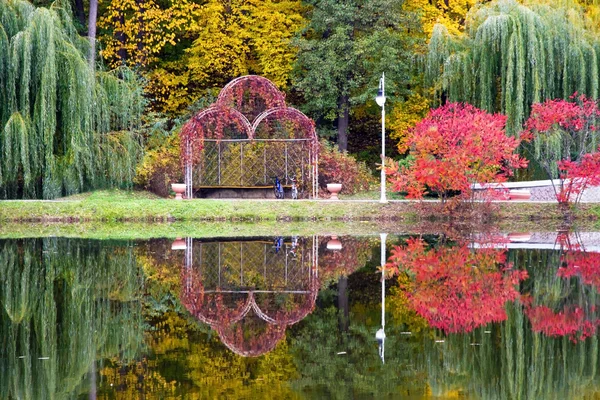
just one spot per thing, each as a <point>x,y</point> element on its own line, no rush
<point>248,137</point>
<point>249,291</point>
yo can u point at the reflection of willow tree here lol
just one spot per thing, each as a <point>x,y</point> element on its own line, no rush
<point>561,297</point>
<point>64,303</point>
<point>532,354</point>
<point>512,362</point>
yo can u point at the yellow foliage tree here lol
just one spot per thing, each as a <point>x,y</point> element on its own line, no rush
<point>239,37</point>
<point>450,13</point>
<point>138,30</point>
<point>405,115</point>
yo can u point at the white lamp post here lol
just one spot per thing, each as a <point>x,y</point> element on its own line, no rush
<point>380,334</point>
<point>380,99</point>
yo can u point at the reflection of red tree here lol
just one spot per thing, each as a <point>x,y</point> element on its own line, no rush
<point>570,321</point>
<point>583,264</point>
<point>573,320</point>
<point>456,289</point>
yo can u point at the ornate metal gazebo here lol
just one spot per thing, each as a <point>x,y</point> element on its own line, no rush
<point>250,290</point>
<point>248,137</point>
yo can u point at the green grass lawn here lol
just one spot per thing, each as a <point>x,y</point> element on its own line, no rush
<point>132,206</point>
<point>119,205</point>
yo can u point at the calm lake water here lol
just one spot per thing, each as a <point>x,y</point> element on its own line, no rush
<point>504,316</point>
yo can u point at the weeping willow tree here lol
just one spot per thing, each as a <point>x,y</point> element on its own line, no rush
<point>64,127</point>
<point>513,55</point>
<point>63,305</point>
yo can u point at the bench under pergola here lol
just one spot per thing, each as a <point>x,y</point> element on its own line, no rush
<point>248,137</point>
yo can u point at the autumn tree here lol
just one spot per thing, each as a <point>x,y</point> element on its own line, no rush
<point>343,51</point>
<point>513,55</point>
<point>456,146</point>
<point>136,31</point>
<point>452,14</point>
<point>245,37</point>
<point>562,130</point>
<point>564,134</point>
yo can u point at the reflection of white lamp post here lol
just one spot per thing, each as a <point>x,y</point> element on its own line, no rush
<point>380,99</point>
<point>380,335</point>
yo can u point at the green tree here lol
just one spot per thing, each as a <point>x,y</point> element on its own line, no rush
<point>343,51</point>
<point>64,128</point>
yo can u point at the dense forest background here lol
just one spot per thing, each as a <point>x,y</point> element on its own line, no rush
<point>171,57</point>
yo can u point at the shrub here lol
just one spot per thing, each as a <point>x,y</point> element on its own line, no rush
<point>339,167</point>
<point>161,166</point>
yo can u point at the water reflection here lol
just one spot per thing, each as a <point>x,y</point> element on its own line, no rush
<point>65,303</point>
<point>482,317</point>
<point>250,291</point>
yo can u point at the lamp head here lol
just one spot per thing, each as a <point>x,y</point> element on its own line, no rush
<point>380,99</point>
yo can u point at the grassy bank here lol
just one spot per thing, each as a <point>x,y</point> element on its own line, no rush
<point>121,206</point>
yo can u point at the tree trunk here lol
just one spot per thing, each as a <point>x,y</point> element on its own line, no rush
<point>120,36</point>
<point>79,12</point>
<point>92,32</point>
<point>141,59</point>
<point>343,122</point>
<point>343,304</point>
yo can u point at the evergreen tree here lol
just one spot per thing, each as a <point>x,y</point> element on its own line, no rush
<point>343,51</point>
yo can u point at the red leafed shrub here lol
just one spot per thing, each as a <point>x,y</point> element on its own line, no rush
<point>570,321</point>
<point>454,147</point>
<point>571,117</point>
<point>575,177</point>
<point>339,167</point>
<point>456,289</point>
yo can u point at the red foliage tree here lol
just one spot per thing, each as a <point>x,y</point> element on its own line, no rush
<point>454,147</point>
<point>585,265</point>
<point>570,321</point>
<point>456,289</point>
<point>577,318</point>
<point>564,133</point>
<point>576,177</point>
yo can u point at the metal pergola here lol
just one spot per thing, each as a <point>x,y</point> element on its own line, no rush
<point>279,142</point>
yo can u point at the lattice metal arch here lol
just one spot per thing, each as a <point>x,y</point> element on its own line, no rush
<point>222,149</point>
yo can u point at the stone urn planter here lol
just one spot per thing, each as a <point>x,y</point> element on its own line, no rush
<point>178,244</point>
<point>334,189</point>
<point>179,189</point>
<point>334,244</point>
